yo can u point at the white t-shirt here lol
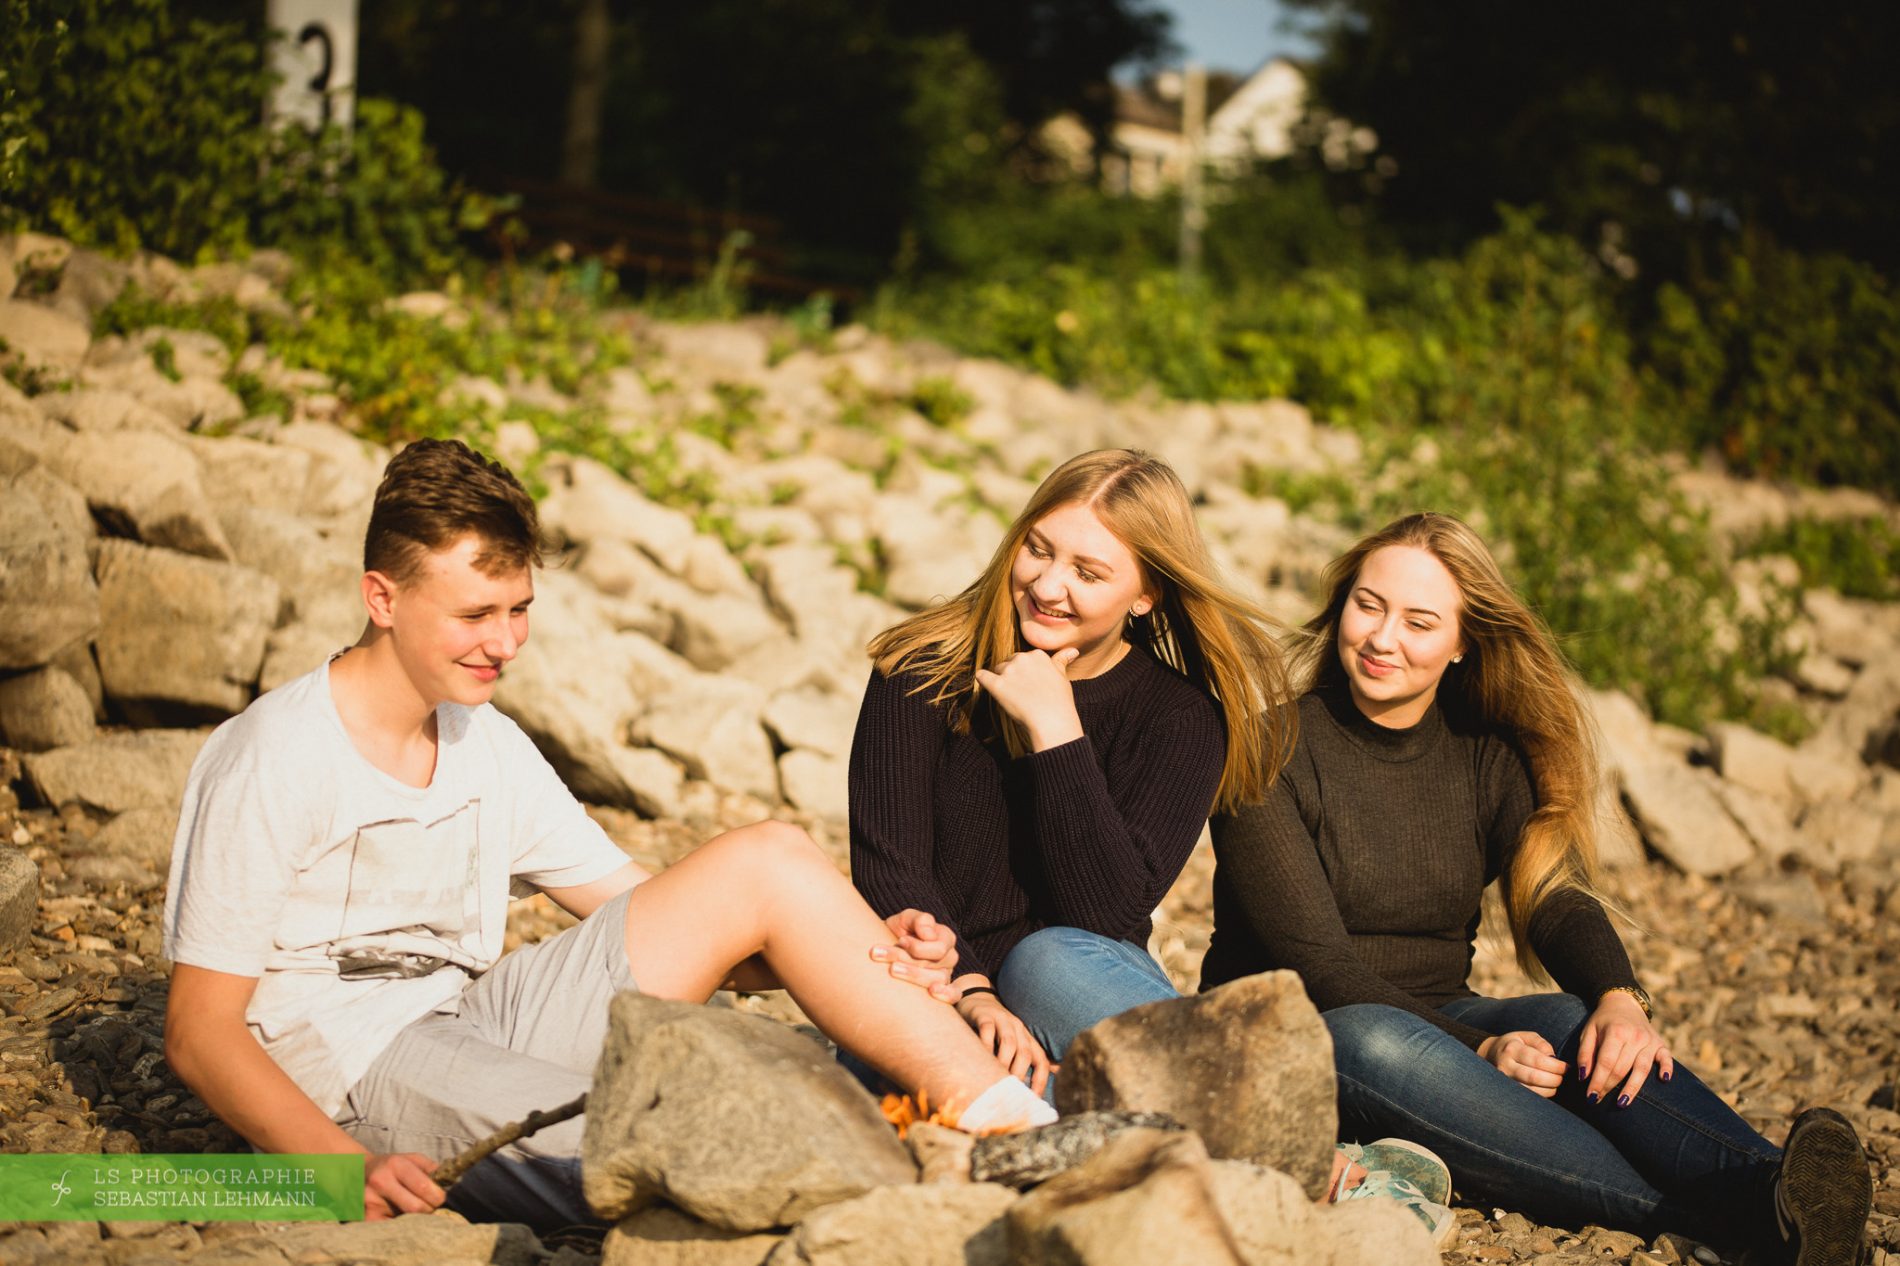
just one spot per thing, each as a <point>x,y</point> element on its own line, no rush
<point>362,903</point>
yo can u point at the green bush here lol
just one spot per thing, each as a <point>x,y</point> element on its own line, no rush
<point>125,127</point>
<point>1788,364</point>
<point>1859,558</point>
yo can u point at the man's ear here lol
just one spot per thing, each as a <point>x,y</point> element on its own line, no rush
<point>379,598</point>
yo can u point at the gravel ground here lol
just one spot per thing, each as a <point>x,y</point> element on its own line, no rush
<point>1778,986</point>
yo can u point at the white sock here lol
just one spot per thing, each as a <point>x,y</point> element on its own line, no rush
<point>1008,1105</point>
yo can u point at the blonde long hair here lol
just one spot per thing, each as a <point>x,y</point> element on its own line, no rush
<point>1198,626</point>
<point>1513,678</point>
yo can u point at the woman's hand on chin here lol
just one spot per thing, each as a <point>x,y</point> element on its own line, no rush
<point>1033,688</point>
<point>1620,1045</point>
<point>1527,1059</point>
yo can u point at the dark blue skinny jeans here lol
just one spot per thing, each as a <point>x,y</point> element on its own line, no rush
<point>1676,1159</point>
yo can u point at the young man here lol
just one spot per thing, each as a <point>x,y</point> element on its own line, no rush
<point>343,863</point>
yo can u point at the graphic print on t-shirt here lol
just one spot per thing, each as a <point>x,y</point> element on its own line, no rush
<point>400,918</point>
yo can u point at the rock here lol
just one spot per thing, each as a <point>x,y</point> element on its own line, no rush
<point>76,661</point>
<point>48,599</point>
<point>1753,760</point>
<point>1837,831</point>
<point>117,772</point>
<point>416,1239</point>
<point>943,1155</point>
<point>316,572</point>
<point>905,1226</point>
<point>732,1117</point>
<point>712,630</point>
<point>653,781</point>
<point>1618,843</point>
<point>42,709</point>
<point>1680,817</point>
<point>1148,1197</point>
<point>810,718</point>
<point>140,835</point>
<point>1822,770</point>
<point>1273,1222</point>
<point>101,409</point>
<point>1866,711</point>
<point>712,727</point>
<point>587,502</point>
<point>142,484</point>
<point>1627,735</point>
<point>19,896</point>
<point>41,339</point>
<point>722,348</point>
<point>710,568</point>
<point>181,630</point>
<point>817,783</point>
<point>1765,820</point>
<point>1823,675</point>
<point>1247,1066</point>
<point>659,1236</point>
<point>239,471</point>
<point>344,476</point>
<point>295,649</point>
<point>1033,1156</point>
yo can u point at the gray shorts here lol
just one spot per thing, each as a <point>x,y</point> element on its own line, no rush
<point>526,1036</point>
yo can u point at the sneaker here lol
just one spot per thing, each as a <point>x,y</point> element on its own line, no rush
<point>1415,1163</point>
<point>1823,1192</point>
<point>1440,1222</point>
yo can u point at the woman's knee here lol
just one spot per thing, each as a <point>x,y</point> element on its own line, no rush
<point>1371,1039</point>
<point>1049,951</point>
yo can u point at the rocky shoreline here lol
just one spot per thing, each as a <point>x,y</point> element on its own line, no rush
<point>163,558</point>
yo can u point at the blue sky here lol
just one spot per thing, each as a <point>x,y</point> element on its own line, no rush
<point>1234,35</point>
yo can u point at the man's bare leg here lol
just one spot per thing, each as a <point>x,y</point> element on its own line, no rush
<point>767,890</point>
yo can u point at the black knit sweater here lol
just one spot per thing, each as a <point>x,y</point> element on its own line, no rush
<point>1364,867</point>
<point>1089,834</point>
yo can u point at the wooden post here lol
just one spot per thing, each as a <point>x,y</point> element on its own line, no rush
<point>1194,133</point>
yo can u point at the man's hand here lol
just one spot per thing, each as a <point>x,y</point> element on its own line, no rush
<point>925,954</point>
<point>1526,1058</point>
<point>1015,1047</point>
<point>395,1183</point>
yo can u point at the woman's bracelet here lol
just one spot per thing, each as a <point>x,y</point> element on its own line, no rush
<point>1636,992</point>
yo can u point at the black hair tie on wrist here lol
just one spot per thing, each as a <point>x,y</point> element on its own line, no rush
<point>979,989</point>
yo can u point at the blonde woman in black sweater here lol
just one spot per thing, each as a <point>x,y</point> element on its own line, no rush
<point>1443,745</point>
<point>1035,758</point>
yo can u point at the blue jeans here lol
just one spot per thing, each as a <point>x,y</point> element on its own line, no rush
<point>1060,981</point>
<point>1677,1159</point>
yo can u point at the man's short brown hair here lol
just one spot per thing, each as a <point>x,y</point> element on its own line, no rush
<point>433,494</point>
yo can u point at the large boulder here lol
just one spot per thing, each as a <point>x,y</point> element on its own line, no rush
<point>181,630</point>
<point>48,600</point>
<point>239,471</point>
<point>816,783</point>
<point>43,709</point>
<point>1248,1066</point>
<point>101,409</point>
<point>19,896</point>
<point>905,1226</point>
<point>318,574</point>
<point>1681,817</point>
<point>712,726</point>
<point>144,484</point>
<point>588,502</point>
<point>1753,760</point>
<point>117,772</point>
<point>416,1239</point>
<point>734,1118</point>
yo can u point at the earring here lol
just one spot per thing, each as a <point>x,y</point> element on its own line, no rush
<point>1138,610</point>
<point>1459,658</point>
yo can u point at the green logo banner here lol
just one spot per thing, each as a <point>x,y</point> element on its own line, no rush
<point>166,1188</point>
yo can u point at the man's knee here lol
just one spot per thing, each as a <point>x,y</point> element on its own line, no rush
<point>772,849</point>
<point>1372,1040</point>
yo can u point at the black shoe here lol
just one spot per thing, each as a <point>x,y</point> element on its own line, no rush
<point>1823,1192</point>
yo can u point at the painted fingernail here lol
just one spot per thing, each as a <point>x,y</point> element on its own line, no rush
<point>1583,1072</point>
<point>1667,1075</point>
<point>1594,1096</point>
<point>1622,1101</point>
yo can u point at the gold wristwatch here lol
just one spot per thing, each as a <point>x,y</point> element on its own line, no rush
<point>1636,992</point>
